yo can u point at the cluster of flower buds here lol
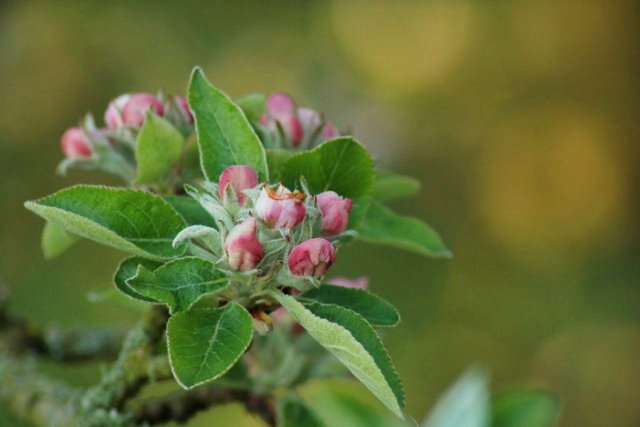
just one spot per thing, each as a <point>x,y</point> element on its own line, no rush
<point>265,228</point>
<point>294,126</point>
<point>126,112</point>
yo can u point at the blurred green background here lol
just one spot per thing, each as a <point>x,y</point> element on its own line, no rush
<point>519,117</point>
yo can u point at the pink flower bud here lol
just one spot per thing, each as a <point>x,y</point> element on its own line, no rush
<point>359,283</point>
<point>240,177</point>
<point>312,257</point>
<point>330,131</point>
<point>309,118</point>
<point>137,106</point>
<point>335,212</point>
<point>130,110</point>
<point>181,101</point>
<point>244,250</point>
<point>282,108</point>
<point>75,143</point>
<point>281,208</point>
<point>113,115</point>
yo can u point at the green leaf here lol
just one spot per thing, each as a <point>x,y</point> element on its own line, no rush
<point>341,165</point>
<point>374,309</point>
<point>383,226</point>
<point>533,408</point>
<point>225,136</point>
<point>127,269</point>
<point>466,403</point>
<point>353,341</point>
<point>253,105</point>
<point>179,283</point>
<point>130,220</point>
<point>192,212</point>
<point>293,412</point>
<point>116,298</point>
<point>276,159</point>
<point>390,186</point>
<point>55,240</point>
<point>158,148</point>
<point>204,343</point>
<point>202,241</point>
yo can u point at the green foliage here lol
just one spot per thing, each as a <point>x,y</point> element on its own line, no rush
<point>383,226</point>
<point>127,269</point>
<point>134,221</point>
<point>225,136</point>
<point>253,105</point>
<point>293,412</point>
<point>55,240</point>
<point>341,165</point>
<point>354,342</point>
<point>276,159</point>
<point>192,212</point>
<point>204,343</point>
<point>390,186</point>
<point>465,404</point>
<point>179,283</point>
<point>534,408</point>
<point>158,148</point>
<point>374,309</point>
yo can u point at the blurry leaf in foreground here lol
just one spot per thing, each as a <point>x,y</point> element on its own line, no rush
<point>114,297</point>
<point>388,186</point>
<point>534,408</point>
<point>55,240</point>
<point>293,412</point>
<point>464,404</point>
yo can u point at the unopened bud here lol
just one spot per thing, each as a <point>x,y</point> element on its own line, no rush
<point>312,257</point>
<point>330,131</point>
<point>181,101</point>
<point>335,212</point>
<point>130,110</point>
<point>281,208</point>
<point>113,115</point>
<point>310,119</point>
<point>244,250</point>
<point>240,177</point>
<point>75,144</point>
<point>282,108</point>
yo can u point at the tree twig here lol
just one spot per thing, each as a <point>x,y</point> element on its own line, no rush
<point>103,403</point>
<point>36,398</point>
<point>60,344</point>
<point>182,406</point>
<point>33,396</point>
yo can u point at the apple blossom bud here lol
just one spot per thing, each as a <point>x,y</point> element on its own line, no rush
<point>281,208</point>
<point>244,250</point>
<point>310,119</point>
<point>181,101</point>
<point>282,108</point>
<point>335,212</point>
<point>359,283</point>
<point>330,131</point>
<point>137,106</point>
<point>75,143</point>
<point>312,257</point>
<point>240,177</point>
<point>130,110</point>
<point>113,115</point>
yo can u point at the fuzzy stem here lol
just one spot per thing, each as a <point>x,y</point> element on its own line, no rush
<point>103,403</point>
<point>34,397</point>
